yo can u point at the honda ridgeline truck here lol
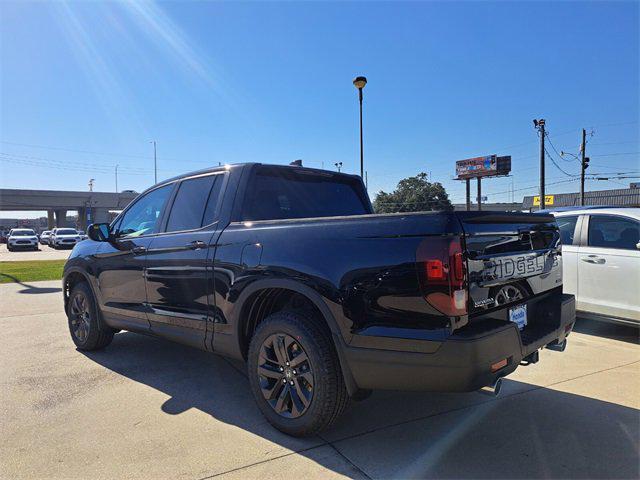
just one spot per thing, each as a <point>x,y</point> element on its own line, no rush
<point>289,269</point>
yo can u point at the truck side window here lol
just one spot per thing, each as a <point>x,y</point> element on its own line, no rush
<point>612,231</point>
<point>143,217</point>
<point>277,193</point>
<point>191,200</point>
<point>567,227</point>
<point>214,200</point>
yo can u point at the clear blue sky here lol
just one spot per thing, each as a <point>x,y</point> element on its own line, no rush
<point>271,82</point>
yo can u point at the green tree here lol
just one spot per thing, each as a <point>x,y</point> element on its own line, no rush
<point>413,194</point>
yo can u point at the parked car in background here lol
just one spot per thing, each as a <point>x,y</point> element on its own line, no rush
<point>64,238</point>
<point>22,238</point>
<point>45,236</point>
<point>3,237</point>
<point>82,235</point>
<point>601,262</point>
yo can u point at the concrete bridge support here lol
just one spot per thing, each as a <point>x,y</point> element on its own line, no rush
<point>61,218</point>
<point>50,220</point>
<point>99,215</point>
<point>82,218</point>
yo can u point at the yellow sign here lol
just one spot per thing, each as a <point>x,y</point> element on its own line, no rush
<point>548,200</point>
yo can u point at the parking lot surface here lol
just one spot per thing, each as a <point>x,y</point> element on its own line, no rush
<point>147,408</point>
<point>44,253</point>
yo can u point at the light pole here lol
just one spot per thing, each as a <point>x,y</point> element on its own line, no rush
<point>116,178</point>
<point>359,83</point>
<point>338,165</point>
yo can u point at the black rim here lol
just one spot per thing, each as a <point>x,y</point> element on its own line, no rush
<point>285,375</point>
<point>80,317</point>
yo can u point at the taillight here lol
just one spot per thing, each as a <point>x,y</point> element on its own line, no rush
<point>443,274</point>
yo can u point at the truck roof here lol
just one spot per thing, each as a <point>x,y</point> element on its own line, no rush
<point>249,164</point>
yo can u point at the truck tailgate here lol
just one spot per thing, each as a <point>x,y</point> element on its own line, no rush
<point>511,258</point>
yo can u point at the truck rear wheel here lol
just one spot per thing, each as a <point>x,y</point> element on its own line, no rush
<point>295,374</point>
<point>86,328</point>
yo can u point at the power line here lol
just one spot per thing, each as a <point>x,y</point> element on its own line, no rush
<point>558,166</point>
<point>556,150</point>
<point>615,154</point>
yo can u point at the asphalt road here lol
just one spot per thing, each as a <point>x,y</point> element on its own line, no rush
<point>147,408</point>
<point>44,253</point>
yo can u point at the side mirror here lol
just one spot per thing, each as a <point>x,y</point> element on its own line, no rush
<point>99,232</point>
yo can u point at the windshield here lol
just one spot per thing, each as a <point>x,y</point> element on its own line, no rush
<point>66,231</point>
<point>23,233</point>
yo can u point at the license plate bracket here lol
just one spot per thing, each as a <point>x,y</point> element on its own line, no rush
<point>518,315</point>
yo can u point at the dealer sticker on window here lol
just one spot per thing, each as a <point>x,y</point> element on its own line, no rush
<point>518,315</point>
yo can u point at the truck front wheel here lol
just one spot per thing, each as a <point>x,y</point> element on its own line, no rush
<point>295,374</point>
<point>86,328</point>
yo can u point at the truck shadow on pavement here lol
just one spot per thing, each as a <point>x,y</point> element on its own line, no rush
<point>530,431</point>
<point>31,289</point>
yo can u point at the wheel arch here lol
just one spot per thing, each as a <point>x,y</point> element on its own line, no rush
<point>265,297</point>
<point>71,278</point>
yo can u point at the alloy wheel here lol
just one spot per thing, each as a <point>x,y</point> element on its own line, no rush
<point>285,375</point>
<point>80,317</point>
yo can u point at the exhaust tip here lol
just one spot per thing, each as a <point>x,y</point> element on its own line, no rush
<point>492,390</point>
<point>558,347</point>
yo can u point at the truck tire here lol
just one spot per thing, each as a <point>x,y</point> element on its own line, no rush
<point>10,248</point>
<point>295,374</point>
<point>87,330</point>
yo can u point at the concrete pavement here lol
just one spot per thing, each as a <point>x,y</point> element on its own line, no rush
<point>44,253</point>
<point>147,408</point>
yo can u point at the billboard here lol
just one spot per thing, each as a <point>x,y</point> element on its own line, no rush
<point>487,166</point>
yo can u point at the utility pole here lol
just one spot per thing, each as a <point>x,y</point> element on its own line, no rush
<point>583,165</point>
<point>91,184</point>
<point>116,178</point>
<point>468,183</point>
<point>155,163</point>
<point>539,124</point>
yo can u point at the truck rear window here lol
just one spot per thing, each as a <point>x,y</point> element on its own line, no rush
<point>280,193</point>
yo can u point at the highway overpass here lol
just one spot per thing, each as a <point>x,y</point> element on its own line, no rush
<point>91,206</point>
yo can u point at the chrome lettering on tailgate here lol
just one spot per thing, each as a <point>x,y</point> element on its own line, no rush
<point>504,268</point>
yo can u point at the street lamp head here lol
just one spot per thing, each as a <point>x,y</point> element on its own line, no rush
<point>360,82</point>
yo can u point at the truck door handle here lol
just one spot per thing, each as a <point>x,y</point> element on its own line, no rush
<point>196,245</point>
<point>593,259</point>
<point>139,250</point>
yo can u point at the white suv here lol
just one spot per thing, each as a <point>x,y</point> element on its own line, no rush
<point>601,262</point>
<point>63,237</point>
<point>22,238</point>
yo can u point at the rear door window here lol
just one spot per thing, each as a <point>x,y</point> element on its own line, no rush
<point>567,226</point>
<point>192,199</point>
<point>211,211</point>
<point>612,231</point>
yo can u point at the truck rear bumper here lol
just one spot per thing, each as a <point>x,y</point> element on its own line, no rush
<point>462,363</point>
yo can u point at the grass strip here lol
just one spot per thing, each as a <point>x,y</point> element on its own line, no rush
<point>31,270</point>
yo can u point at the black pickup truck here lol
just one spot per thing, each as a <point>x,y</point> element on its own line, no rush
<point>288,269</point>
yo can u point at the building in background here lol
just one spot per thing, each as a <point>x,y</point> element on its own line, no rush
<point>619,197</point>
